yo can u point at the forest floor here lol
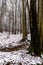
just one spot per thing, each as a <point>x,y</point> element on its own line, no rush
<point>14,52</point>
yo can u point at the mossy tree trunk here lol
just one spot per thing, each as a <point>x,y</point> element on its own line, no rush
<point>40,23</point>
<point>24,30</point>
<point>35,46</point>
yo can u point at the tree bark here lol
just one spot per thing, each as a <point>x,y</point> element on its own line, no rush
<point>24,21</point>
<point>40,23</point>
<point>35,46</point>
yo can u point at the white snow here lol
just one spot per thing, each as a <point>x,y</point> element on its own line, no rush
<point>19,56</point>
<point>8,40</point>
<point>15,57</point>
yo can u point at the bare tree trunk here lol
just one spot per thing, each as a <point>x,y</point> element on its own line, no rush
<point>27,4</point>
<point>12,19</point>
<point>40,23</point>
<point>15,17</point>
<point>9,23</point>
<point>1,16</point>
<point>1,22</point>
<point>24,21</point>
<point>35,46</point>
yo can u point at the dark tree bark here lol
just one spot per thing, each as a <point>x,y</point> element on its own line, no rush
<point>35,45</point>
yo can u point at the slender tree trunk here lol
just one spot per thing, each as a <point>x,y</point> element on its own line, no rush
<point>15,17</point>
<point>40,23</point>
<point>12,19</point>
<point>1,22</point>
<point>1,17</point>
<point>27,4</point>
<point>24,21</point>
<point>9,23</point>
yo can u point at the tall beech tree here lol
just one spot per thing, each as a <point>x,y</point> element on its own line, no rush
<point>35,45</point>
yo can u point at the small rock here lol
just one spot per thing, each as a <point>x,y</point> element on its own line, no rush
<point>8,63</point>
<point>20,64</point>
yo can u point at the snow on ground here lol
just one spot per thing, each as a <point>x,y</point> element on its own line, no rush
<point>8,40</point>
<point>18,57</point>
<point>15,57</point>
